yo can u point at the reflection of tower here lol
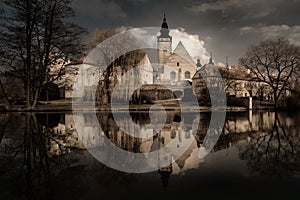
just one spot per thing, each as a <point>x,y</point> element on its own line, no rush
<point>165,160</point>
<point>165,175</point>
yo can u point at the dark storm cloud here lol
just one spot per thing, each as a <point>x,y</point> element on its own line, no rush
<point>238,12</point>
<point>228,27</point>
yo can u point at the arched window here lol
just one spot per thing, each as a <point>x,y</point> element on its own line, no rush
<point>162,69</point>
<point>173,75</point>
<point>187,75</point>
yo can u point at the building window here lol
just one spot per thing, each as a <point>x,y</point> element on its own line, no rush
<point>187,135</point>
<point>162,69</point>
<point>187,75</point>
<point>173,75</point>
<point>173,134</point>
<point>177,64</point>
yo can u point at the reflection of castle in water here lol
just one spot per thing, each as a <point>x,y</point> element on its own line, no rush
<point>177,133</point>
<point>240,127</point>
<point>264,147</point>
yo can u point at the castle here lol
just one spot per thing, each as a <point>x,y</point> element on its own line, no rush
<point>143,78</point>
<point>175,66</point>
<point>169,67</point>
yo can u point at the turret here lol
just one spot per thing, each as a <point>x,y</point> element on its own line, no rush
<point>211,60</point>
<point>164,42</point>
<point>198,64</point>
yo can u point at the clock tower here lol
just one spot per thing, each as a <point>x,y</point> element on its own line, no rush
<point>164,42</point>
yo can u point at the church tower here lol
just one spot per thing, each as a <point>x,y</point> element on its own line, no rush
<point>164,42</point>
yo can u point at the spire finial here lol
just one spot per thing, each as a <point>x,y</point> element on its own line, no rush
<point>164,24</point>
<point>198,63</point>
<point>227,61</point>
<point>211,59</point>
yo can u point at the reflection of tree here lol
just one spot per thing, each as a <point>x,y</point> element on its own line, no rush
<point>30,153</point>
<point>4,121</point>
<point>276,153</point>
<point>28,146</point>
<point>28,164</point>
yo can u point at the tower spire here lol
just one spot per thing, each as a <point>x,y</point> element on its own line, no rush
<point>164,23</point>
<point>164,31</point>
<point>198,63</point>
<point>227,61</point>
<point>211,59</point>
<point>164,42</point>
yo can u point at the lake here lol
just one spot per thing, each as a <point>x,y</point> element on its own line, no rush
<point>56,155</point>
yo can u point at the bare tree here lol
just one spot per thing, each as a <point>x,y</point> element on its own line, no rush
<point>125,62</point>
<point>3,94</point>
<point>98,37</point>
<point>274,62</point>
<point>35,36</point>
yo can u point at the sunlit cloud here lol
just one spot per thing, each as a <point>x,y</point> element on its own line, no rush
<point>192,42</point>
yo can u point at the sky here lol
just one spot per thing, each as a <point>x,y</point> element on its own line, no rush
<point>225,28</point>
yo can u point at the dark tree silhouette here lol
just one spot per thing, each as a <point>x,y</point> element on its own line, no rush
<point>275,63</point>
<point>274,153</point>
<point>35,35</point>
<point>125,62</point>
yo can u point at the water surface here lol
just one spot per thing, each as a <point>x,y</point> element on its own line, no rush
<point>256,157</point>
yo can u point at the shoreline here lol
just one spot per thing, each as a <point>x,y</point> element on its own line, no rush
<point>67,106</point>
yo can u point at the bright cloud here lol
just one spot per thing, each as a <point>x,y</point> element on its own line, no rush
<point>192,43</point>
